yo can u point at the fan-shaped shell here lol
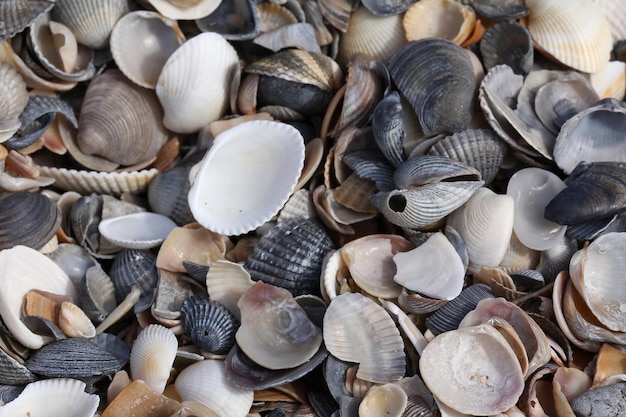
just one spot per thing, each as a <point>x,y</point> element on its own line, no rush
<point>135,267</point>
<point>112,183</point>
<point>268,157</point>
<point>507,43</point>
<point>380,354</point>
<point>185,9</point>
<point>91,21</point>
<point>143,36</point>
<point>194,84</point>
<point>120,121</point>
<point>17,15</point>
<point>209,324</point>
<point>13,100</point>
<point>152,356</point>
<point>445,19</point>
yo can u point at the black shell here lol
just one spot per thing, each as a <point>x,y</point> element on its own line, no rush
<point>209,324</point>
<point>450,314</point>
<point>135,267</point>
<point>508,43</point>
<point>388,128</point>
<point>290,256</point>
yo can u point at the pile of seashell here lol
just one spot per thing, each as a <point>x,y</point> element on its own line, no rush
<point>323,208</point>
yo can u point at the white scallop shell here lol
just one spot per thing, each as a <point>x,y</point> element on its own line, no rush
<point>226,282</point>
<point>185,9</point>
<point>485,223</point>
<point>143,36</point>
<point>143,230</point>
<point>246,176</point>
<point>205,382</point>
<point>194,84</point>
<point>36,271</point>
<point>13,100</point>
<point>532,189</point>
<point>53,397</point>
<point>74,322</point>
<point>152,356</point>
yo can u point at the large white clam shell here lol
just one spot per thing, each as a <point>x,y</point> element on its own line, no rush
<point>141,230</point>
<point>23,269</point>
<point>194,84</point>
<point>205,382</point>
<point>152,356</point>
<point>53,397</point>
<point>246,176</point>
<point>598,274</point>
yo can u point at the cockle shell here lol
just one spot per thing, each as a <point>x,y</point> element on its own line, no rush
<point>12,102</point>
<point>209,324</point>
<point>194,84</point>
<point>74,322</point>
<point>507,43</point>
<point>185,9</point>
<point>445,19</point>
<point>268,157</point>
<point>152,356</point>
<point>388,399</point>
<point>17,15</point>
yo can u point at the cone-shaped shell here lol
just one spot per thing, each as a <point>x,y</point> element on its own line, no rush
<point>120,121</point>
<point>209,324</point>
<point>91,21</point>
<point>576,33</point>
<point>53,397</point>
<point>380,354</point>
<point>194,84</point>
<point>247,176</point>
<point>152,356</point>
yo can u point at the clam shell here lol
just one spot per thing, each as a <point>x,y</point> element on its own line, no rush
<point>297,35</point>
<point>209,325</point>
<point>231,207</point>
<point>221,20</point>
<point>372,165</point>
<point>388,128</point>
<point>120,121</point>
<point>450,315</point>
<point>135,267</point>
<point>13,101</point>
<point>63,396</point>
<point>507,43</point>
<point>28,219</point>
<point>91,21</point>
<point>152,356</point>
<point>448,72</point>
<point>387,7</point>
<point>17,15</point>
<point>205,382</point>
<point>74,260</point>
<point>278,257</point>
<point>142,36</point>
<point>579,37</point>
<point>380,355</point>
<point>138,399</point>
<point>429,169</point>
<point>113,183</point>
<point>13,371</point>
<point>446,19</point>
<point>97,294</point>
<point>387,399</point>
<point>226,282</point>
<point>194,84</point>
<point>185,9</point>
<point>141,230</point>
<point>74,322</point>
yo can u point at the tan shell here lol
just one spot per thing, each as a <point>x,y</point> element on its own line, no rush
<point>388,400</point>
<point>152,356</point>
<point>138,399</point>
<point>74,322</point>
<point>226,282</point>
<point>446,19</point>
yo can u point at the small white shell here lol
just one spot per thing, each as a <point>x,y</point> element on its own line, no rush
<point>185,9</point>
<point>53,397</point>
<point>12,101</point>
<point>383,400</point>
<point>194,84</point>
<point>141,230</point>
<point>246,176</point>
<point>152,356</point>
<point>74,322</point>
<point>205,382</point>
<point>226,282</point>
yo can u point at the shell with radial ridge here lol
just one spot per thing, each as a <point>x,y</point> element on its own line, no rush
<point>152,356</point>
<point>209,324</point>
<point>12,102</point>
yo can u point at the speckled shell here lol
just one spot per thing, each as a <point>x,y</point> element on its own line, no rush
<point>209,325</point>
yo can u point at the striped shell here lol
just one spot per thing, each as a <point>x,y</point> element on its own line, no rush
<point>152,356</point>
<point>28,219</point>
<point>209,324</point>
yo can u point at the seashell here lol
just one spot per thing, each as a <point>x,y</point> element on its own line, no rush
<point>387,7</point>
<point>152,356</point>
<point>192,98</point>
<point>74,322</point>
<point>138,399</point>
<point>29,219</point>
<point>97,294</point>
<point>446,19</point>
<point>135,267</point>
<point>433,269</point>
<point>290,100</point>
<point>277,258</point>
<point>485,223</point>
<point>13,100</point>
<point>428,169</point>
<point>90,21</point>
<point>372,165</point>
<point>42,274</point>
<point>112,131</point>
<point>141,230</point>
<point>205,382</point>
<point>593,271</point>
<point>354,194</point>
<point>17,15</point>
<point>503,10</point>
<point>507,43</point>
<point>467,391</point>
<point>381,355</point>
<point>336,12</point>
<point>234,207</point>
<point>155,36</point>
<point>610,81</point>
<point>226,282</point>
<point>449,73</point>
<point>579,38</point>
<point>209,324</point>
<point>273,15</point>
<point>387,399</point>
<point>74,260</point>
<point>388,128</point>
<point>424,205</point>
<point>532,189</point>
<point>296,35</point>
<point>51,397</point>
<point>593,191</point>
<point>185,9</point>
<point>570,148</point>
<point>450,315</point>
<point>72,358</point>
<point>170,293</point>
<point>13,371</point>
<point>221,20</point>
<point>314,16</point>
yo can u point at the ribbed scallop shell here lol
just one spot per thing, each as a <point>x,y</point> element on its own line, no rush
<point>74,322</point>
<point>152,356</point>
<point>576,33</point>
<point>291,255</point>
<point>447,19</point>
<point>481,149</point>
<point>209,325</point>
<point>194,84</point>
<point>91,21</point>
<point>185,9</point>
<point>113,183</point>
<point>226,282</point>
<point>120,121</point>
<point>53,397</point>
<point>428,169</point>
<point>143,36</point>
<point>372,339</point>
<point>97,294</point>
<point>134,267</point>
<point>13,100</point>
<point>17,15</point>
<point>28,219</point>
<point>13,371</point>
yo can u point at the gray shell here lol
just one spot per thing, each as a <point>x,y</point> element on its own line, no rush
<point>17,15</point>
<point>135,267</point>
<point>507,43</point>
<point>450,315</point>
<point>388,128</point>
<point>209,325</point>
<point>12,372</point>
<point>372,165</point>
